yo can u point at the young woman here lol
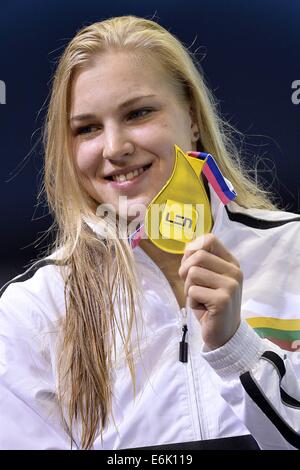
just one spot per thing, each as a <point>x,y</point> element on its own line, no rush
<point>89,336</point>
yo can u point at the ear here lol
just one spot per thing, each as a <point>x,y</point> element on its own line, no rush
<point>195,134</point>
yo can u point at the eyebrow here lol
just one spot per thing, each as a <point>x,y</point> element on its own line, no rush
<point>83,117</point>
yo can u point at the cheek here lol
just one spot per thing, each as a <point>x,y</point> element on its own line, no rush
<point>157,138</point>
<point>87,157</point>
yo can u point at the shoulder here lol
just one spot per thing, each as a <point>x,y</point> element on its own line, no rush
<point>278,226</point>
<point>266,232</point>
<point>35,296</point>
<point>262,219</point>
<point>31,309</point>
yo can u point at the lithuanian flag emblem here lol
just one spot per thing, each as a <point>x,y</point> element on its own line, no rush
<point>284,333</point>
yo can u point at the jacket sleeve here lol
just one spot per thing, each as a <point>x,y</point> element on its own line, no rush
<point>261,382</point>
<point>29,414</point>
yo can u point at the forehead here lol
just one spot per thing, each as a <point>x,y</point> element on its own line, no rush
<point>112,75</point>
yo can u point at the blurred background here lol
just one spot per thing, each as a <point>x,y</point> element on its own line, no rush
<point>249,52</point>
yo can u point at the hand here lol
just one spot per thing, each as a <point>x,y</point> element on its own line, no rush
<point>213,285</point>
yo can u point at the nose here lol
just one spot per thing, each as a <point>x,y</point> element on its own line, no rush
<point>116,144</point>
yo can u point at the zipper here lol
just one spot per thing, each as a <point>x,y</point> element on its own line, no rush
<point>197,401</point>
<point>184,321</point>
<point>184,354</point>
<point>183,345</point>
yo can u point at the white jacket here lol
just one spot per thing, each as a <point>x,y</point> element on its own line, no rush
<point>248,386</point>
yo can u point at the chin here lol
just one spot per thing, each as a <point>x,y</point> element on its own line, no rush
<point>134,210</point>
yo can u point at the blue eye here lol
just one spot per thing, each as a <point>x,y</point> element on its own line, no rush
<point>85,130</point>
<point>140,113</point>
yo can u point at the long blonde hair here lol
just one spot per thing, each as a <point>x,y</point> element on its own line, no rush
<point>99,272</point>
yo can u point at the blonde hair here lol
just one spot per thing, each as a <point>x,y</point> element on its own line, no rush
<point>99,272</point>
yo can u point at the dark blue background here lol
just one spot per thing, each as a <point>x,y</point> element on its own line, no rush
<point>250,56</point>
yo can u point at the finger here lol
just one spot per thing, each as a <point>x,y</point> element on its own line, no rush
<point>209,261</point>
<point>209,242</point>
<point>203,277</point>
<point>202,297</point>
<point>198,308</point>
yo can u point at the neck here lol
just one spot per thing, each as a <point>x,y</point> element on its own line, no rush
<point>169,264</point>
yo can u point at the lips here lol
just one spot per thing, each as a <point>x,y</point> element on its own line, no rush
<point>125,186</point>
<point>129,174</point>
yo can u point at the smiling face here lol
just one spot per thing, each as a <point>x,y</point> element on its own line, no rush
<point>125,118</point>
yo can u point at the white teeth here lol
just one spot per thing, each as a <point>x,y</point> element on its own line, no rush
<point>121,178</point>
<point>128,176</point>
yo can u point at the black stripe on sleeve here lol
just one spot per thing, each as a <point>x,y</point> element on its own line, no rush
<point>288,400</point>
<point>257,395</point>
<point>254,222</point>
<point>30,272</point>
<point>278,363</point>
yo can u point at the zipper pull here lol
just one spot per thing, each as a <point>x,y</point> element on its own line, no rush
<point>183,345</point>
